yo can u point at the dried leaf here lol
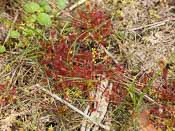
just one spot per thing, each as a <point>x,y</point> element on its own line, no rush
<point>144,122</point>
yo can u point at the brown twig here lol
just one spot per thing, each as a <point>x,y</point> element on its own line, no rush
<point>153,25</point>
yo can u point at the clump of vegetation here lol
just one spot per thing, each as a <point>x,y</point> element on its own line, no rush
<point>78,54</point>
<point>70,50</point>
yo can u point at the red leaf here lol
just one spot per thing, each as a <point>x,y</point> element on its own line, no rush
<point>71,37</point>
<point>53,33</point>
<point>13,91</point>
<point>83,15</point>
<point>165,75</point>
<point>82,36</point>
<point>2,87</point>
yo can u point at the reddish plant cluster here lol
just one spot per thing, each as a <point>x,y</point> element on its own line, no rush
<point>161,115</point>
<point>72,58</point>
<point>167,90</point>
<point>92,23</point>
<point>7,96</point>
<point>164,88</point>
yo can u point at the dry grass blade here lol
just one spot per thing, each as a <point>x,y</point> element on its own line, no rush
<point>77,4</point>
<point>109,54</point>
<point>14,21</point>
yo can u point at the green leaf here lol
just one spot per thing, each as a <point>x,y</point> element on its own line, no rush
<point>45,5</point>
<point>14,34</point>
<point>47,8</point>
<point>31,7</point>
<point>61,4</point>
<point>120,35</point>
<point>44,19</point>
<point>31,19</point>
<point>2,49</point>
<point>28,32</point>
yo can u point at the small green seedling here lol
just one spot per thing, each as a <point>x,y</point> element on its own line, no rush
<point>2,49</point>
